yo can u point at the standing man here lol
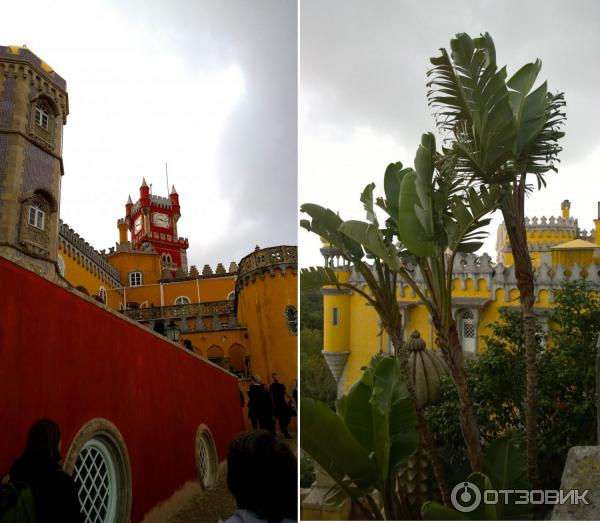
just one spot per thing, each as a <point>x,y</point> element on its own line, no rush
<point>280,405</point>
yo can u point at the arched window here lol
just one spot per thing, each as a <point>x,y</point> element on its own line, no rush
<point>60,262</point>
<point>206,457</point>
<point>35,222</point>
<point>41,124</point>
<point>135,279</point>
<point>182,300</point>
<point>291,316</point>
<point>468,332</point>
<point>231,295</point>
<point>99,464</point>
<point>42,115</point>
<point>37,215</point>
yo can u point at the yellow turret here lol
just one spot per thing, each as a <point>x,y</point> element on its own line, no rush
<point>123,229</point>
<point>336,325</point>
<point>565,206</point>
<point>597,226</point>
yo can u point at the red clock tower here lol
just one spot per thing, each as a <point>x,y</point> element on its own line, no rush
<point>152,221</point>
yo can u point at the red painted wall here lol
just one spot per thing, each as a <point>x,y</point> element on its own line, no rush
<point>64,358</point>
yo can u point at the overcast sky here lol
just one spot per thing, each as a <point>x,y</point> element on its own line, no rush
<point>363,97</point>
<point>209,86</point>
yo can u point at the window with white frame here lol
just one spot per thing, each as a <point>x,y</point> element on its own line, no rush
<point>95,476</point>
<point>182,300</point>
<point>60,262</point>
<point>42,116</point>
<point>468,332</point>
<point>206,458</point>
<point>37,216</point>
<point>468,325</point>
<point>135,279</point>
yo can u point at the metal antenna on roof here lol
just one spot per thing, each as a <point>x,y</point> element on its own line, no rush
<point>167,173</point>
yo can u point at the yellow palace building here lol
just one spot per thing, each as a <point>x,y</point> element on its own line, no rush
<point>242,317</point>
<point>560,252</point>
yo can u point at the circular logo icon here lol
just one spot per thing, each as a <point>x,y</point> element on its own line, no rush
<point>465,496</point>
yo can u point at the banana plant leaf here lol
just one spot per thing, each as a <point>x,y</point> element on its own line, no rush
<point>506,465</point>
<point>432,510</point>
<point>381,416</point>
<point>371,239</point>
<point>330,443</point>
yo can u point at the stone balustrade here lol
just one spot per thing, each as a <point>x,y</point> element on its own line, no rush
<point>189,310</point>
<point>283,257</point>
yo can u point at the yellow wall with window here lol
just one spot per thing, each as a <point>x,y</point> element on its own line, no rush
<point>261,308</point>
<point>80,272</point>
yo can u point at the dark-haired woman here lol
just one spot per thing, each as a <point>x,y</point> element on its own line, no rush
<point>54,491</point>
<point>262,476</point>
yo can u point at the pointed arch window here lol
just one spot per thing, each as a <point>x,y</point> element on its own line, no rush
<point>42,115</point>
<point>37,215</point>
<point>468,331</point>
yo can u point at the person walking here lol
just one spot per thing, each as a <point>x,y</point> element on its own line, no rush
<point>254,395</point>
<point>281,408</point>
<point>54,491</point>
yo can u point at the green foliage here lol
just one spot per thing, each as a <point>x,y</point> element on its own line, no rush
<point>500,128</point>
<point>311,309</point>
<point>371,436</point>
<point>567,412</point>
<point>505,468</point>
<point>316,381</point>
<point>307,471</point>
<point>315,377</point>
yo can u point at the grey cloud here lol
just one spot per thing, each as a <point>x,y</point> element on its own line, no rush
<point>257,164</point>
<point>366,61</point>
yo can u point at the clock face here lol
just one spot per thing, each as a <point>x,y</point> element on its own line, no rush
<point>138,224</point>
<point>160,220</point>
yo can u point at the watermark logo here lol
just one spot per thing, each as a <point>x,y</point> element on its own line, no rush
<point>467,496</point>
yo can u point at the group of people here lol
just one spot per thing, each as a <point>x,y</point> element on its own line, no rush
<point>261,475</point>
<point>267,404</point>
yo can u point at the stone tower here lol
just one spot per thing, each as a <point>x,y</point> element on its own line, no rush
<point>33,109</point>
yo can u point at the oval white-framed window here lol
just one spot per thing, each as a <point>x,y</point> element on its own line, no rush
<point>99,464</point>
<point>206,458</point>
<point>97,483</point>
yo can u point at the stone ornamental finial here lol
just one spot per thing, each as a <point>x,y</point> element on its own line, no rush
<point>426,368</point>
<point>144,184</point>
<point>129,200</point>
<point>173,191</point>
<point>415,343</point>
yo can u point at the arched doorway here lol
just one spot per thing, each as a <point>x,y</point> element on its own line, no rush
<point>237,359</point>
<point>216,355</point>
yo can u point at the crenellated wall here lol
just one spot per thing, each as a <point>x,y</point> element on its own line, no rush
<point>480,288</point>
<point>266,301</point>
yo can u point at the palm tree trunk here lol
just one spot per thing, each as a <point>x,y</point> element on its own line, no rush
<point>515,227</point>
<point>468,421</point>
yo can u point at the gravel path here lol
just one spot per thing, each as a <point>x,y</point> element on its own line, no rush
<point>193,504</point>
